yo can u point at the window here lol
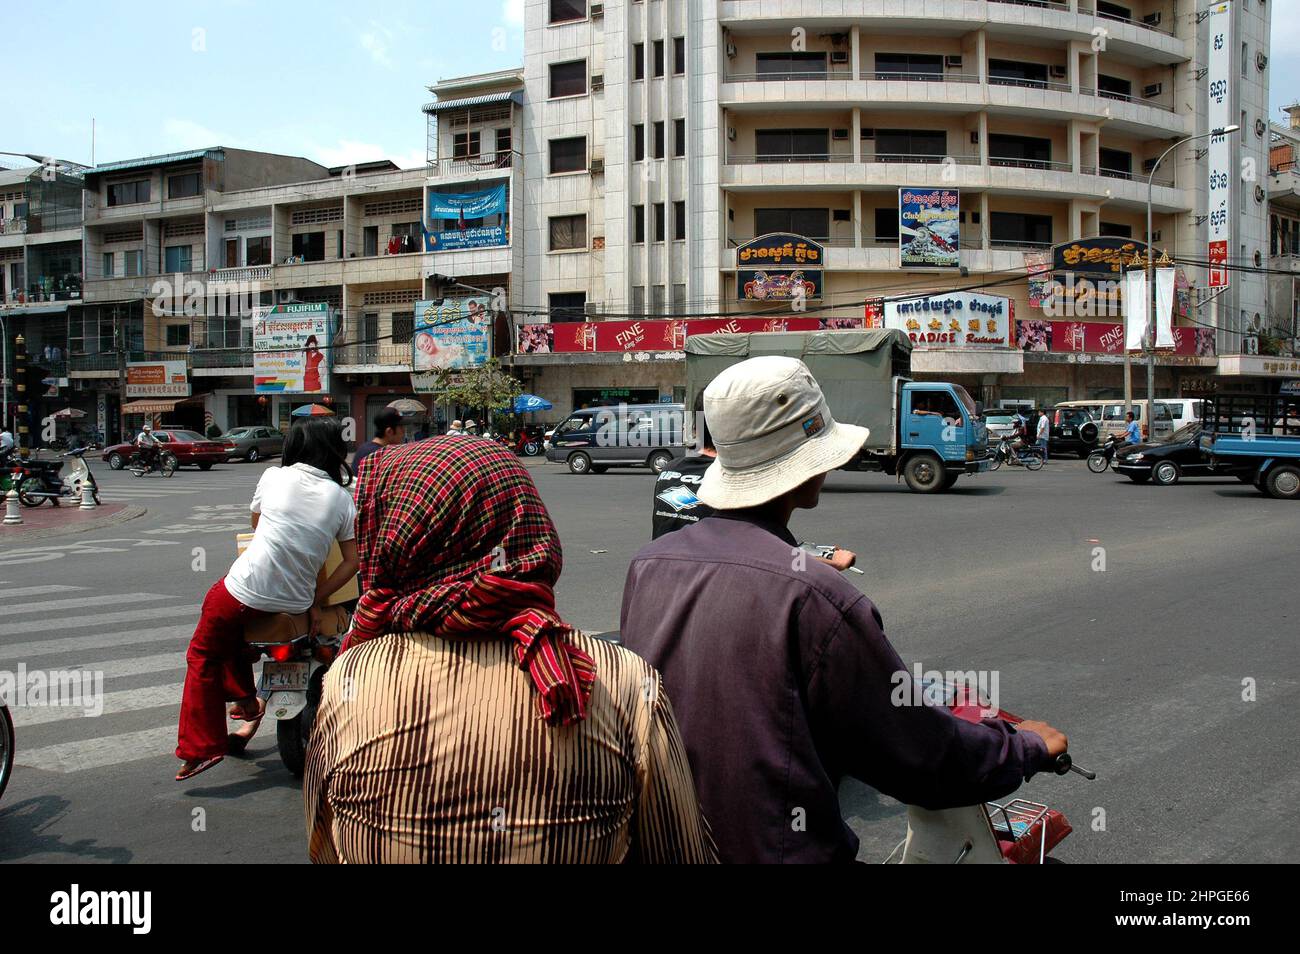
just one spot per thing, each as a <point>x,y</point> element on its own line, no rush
<point>1116,230</point>
<point>789,65</point>
<point>792,145</point>
<point>659,139</point>
<point>568,79</point>
<point>1017,73</point>
<point>810,223</point>
<point>504,147</point>
<point>910,143</point>
<point>679,55</point>
<point>638,61</point>
<point>185,185</point>
<point>907,65</point>
<point>1115,160</point>
<point>1018,229</point>
<point>1026,151</point>
<point>656,299</point>
<point>562,11</point>
<point>638,299</point>
<point>257,251</point>
<point>310,246</point>
<point>658,58</point>
<point>108,264</point>
<point>1114,10</point>
<point>568,232</point>
<point>638,142</point>
<point>679,137</point>
<point>1113,87</point>
<point>134,263</point>
<point>679,298</point>
<point>128,193</point>
<point>568,306</point>
<point>568,155</point>
<point>659,221</point>
<point>464,145</point>
<point>679,220</point>
<point>370,240</point>
<point>178,336</point>
<point>179,258</point>
<point>638,224</point>
<point>886,225</point>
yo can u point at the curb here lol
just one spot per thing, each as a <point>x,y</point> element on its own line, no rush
<point>122,516</point>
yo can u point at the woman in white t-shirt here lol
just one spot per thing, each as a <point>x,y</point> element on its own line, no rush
<point>299,510</point>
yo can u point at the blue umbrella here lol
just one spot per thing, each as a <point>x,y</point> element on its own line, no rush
<point>527,403</point>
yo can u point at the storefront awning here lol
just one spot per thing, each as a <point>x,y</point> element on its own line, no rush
<point>159,405</point>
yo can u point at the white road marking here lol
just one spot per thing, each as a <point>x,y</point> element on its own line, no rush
<point>124,700</point>
<point>97,753</point>
<point>72,644</point>
<point>134,666</point>
<point>37,590</point>
<point>99,619</point>
<point>100,599</point>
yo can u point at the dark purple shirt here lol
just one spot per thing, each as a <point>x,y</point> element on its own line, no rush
<point>781,682</point>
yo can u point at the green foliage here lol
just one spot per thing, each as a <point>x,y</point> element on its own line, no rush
<point>484,388</point>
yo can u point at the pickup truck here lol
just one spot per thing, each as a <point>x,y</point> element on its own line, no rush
<point>928,432</point>
<point>1256,438</point>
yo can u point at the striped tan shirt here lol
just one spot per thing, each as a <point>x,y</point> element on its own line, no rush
<point>426,750</point>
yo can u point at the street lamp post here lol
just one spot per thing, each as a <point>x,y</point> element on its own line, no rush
<point>1151,277</point>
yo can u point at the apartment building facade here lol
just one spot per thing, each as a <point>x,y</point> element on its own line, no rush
<point>709,124</point>
<point>1284,232</point>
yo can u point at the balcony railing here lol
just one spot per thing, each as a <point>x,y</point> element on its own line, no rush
<point>248,273</point>
<point>387,353</point>
<point>928,158</point>
<point>1014,162</point>
<point>968,243</point>
<point>745,159</point>
<point>1044,4</point>
<point>1157,27</point>
<point>1123,98</point>
<point>1160,180</point>
<point>1053,85</point>
<point>790,76</point>
<point>920,77</point>
<point>221,358</point>
<point>483,162</point>
<point>1017,245</point>
<point>15,226</point>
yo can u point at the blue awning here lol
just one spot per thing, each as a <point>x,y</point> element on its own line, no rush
<point>516,97</point>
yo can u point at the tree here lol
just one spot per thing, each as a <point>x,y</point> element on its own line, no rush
<point>487,388</point>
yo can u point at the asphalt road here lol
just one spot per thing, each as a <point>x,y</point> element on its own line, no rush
<point>1142,663</point>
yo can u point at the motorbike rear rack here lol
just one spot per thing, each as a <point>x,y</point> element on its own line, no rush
<point>1020,819</point>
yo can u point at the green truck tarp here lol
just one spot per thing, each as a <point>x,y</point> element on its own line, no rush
<point>854,368</point>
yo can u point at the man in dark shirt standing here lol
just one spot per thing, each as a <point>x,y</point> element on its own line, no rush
<point>778,668</point>
<point>388,430</point>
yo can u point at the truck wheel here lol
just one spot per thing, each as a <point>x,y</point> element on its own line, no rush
<point>924,474</point>
<point>579,463</point>
<point>1283,482</point>
<point>1165,473</point>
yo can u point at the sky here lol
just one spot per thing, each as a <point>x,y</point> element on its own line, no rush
<point>337,82</point>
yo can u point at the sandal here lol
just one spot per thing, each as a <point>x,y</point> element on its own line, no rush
<point>238,712</point>
<point>237,742</point>
<point>194,766</point>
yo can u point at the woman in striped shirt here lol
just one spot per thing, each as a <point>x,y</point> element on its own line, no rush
<point>465,721</point>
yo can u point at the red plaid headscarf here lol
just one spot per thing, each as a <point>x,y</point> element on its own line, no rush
<point>454,541</point>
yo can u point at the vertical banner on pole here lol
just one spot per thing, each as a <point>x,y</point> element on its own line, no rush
<point>1164,307</point>
<point>1135,308</point>
<point>1219,201</point>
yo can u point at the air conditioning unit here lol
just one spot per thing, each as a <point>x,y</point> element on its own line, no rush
<point>597,165</point>
<point>1152,19</point>
<point>597,11</point>
<point>840,135</point>
<point>591,308</point>
<point>1058,71</point>
<point>952,61</point>
<point>284,296</point>
<point>731,49</point>
<point>1148,165</point>
<point>1260,194</point>
<point>731,133</point>
<point>1261,61</point>
<point>868,132</point>
<point>1155,89</point>
<point>1261,127</point>
<point>839,56</point>
<point>597,82</point>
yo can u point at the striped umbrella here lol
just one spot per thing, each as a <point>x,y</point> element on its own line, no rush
<point>312,410</point>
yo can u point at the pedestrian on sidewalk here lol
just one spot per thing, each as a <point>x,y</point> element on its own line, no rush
<point>1044,432</point>
<point>388,430</point>
<point>464,719</point>
<point>299,509</point>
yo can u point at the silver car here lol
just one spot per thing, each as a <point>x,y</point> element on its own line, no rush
<point>253,443</point>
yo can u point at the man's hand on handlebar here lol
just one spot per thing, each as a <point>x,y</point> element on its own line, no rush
<point>841,559</point>
<point>1054,739</point>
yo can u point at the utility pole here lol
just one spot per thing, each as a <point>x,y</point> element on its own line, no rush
<point>20,389</point>
<point>119,336</point>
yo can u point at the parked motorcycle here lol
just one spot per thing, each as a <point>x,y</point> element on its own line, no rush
<point>1006,451</point>
<point>1017,831</point>
<point>164,462</point>
<point>39,480</point>
<point>1104,456</point>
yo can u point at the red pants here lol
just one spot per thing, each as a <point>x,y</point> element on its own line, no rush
<point>217,672</point>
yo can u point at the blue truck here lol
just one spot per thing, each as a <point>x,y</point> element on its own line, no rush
<point>1255,438</point>
<point>928,432</point>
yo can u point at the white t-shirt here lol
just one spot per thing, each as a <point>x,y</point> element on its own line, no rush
<point>1043,428</point>
<point>303,512</point>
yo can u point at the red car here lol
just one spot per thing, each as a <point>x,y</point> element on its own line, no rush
<point>191,449</point>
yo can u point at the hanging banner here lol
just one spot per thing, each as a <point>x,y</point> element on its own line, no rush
<point>1135,308</point>
<point>291,349</point>
<point>928,228</point>
<point>156,379</point>
<point>1219,163</point>
<point>1164,307</point>
<point>451,333</point>
<point>1038,267</point>
<point>485,236</point>
<point>569,337</point>
<point>791,268</point>
<point>467,205</point>
<point>1101,256</point>
<point>953,319</point>
<point>1101,337</point>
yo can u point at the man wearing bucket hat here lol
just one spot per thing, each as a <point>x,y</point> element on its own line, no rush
<point>778,667</point>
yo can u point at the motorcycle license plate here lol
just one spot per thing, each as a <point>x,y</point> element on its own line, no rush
<point>293,676</point>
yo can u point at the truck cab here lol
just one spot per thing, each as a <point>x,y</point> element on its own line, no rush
<point>940,428</point>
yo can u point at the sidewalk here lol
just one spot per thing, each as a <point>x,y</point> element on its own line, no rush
<point>46,521</point>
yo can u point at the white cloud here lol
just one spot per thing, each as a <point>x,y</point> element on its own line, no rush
<point>512,11</point>
<point>375,41</point>
<point>180,134</point>
<point>346,152</point>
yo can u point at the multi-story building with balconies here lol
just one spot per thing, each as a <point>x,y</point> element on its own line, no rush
<point>1284,231</point>
<point>705,124</point>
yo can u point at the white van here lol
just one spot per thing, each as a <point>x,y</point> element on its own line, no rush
<point>1183,410</point>
<point>1113,417</point>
